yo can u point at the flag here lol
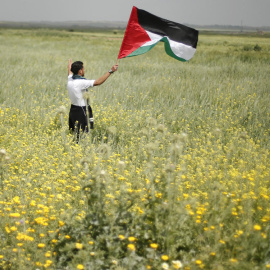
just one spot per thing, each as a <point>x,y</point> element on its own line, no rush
<point>144,30</point>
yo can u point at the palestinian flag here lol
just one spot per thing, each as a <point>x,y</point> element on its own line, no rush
<point>145,30</point>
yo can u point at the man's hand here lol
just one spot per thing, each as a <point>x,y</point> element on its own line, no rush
<point>114,68</point>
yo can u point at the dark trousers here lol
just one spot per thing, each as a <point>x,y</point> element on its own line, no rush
<point>78,118</point>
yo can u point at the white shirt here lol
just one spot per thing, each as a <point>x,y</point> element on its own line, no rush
<point>76,89</point>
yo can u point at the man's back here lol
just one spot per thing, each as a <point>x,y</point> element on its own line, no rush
<point>76,89</point>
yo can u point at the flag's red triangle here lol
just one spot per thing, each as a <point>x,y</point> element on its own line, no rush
<point>135,36</point>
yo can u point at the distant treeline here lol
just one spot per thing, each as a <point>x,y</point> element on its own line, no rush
<point>91,25</point>
<point>65,25</point>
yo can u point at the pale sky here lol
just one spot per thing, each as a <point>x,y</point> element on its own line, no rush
<point>199,12</point>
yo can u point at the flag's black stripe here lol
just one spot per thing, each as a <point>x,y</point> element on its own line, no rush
<point>163,27</point>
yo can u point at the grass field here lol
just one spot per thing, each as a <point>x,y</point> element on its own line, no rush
<point>175,174</point>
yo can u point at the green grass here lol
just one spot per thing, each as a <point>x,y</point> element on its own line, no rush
<point>177,164</point>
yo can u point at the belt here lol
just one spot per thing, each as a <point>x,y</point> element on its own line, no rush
<point>75,106</point>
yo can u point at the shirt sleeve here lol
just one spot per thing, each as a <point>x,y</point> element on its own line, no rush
<point>87,83</point>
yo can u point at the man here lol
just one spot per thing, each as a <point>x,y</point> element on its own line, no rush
<point>77,86</point>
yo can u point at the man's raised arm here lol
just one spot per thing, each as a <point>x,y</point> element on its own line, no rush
<point>69,67</point>
<point>103,78</point>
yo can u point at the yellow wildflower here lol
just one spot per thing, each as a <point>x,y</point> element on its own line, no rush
<point>165,257</point>
<point>132,239</point>
<point>122,237</point>
<point>61,223</point>
<point>48,263</point>
<point>154,245</point>
<point>79,245</point>
<point>257,227</point>
<point>131,247</point>
<point>14,215</point>
<point>48,254</point>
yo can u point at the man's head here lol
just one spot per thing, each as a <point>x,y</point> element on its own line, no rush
<point>77,68</point>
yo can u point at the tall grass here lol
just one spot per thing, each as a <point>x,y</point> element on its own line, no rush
<point>174,175</point>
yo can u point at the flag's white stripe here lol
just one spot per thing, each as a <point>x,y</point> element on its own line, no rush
<point>179,49</point>
<point>182,50</point>
<point>154,39</point>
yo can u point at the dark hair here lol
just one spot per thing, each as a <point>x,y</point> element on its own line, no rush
<point>76,66</point>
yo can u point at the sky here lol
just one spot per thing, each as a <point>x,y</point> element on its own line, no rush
<point>197,12</point>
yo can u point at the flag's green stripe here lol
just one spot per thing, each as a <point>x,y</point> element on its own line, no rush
<point>145,49</point>
<point>142,50</point>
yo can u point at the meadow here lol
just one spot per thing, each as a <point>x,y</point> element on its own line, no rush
<point>175,174</point>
